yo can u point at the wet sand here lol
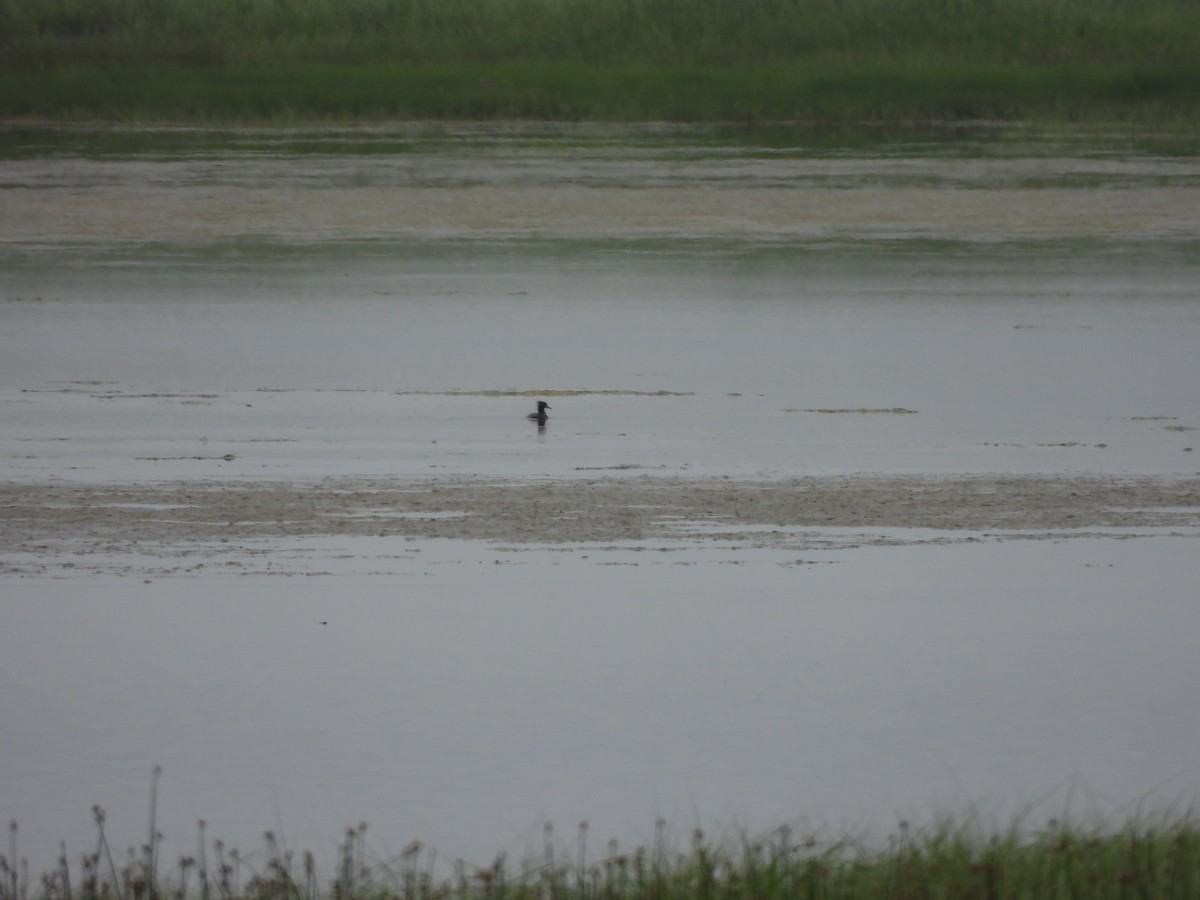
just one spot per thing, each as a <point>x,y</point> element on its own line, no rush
<point>56,529</point>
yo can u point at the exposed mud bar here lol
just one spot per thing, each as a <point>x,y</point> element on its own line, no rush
<point>607,190</point>
<point>70,522</point>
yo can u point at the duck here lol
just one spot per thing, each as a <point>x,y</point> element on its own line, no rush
<point>540,416</point>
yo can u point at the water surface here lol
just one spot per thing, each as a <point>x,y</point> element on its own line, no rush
<point>280,347</point>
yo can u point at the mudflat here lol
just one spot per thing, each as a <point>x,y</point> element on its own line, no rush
<point>50,529</point>
<point>597,191</point>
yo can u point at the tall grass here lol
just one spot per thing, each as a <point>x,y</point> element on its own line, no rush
<point>618,60</point>
<point>1143,859</point>
<point>1126,97</point>
<point>39,33</point>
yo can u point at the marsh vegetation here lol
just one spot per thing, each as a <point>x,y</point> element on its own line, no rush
<point>617,60</point>
<point>1146,859</point>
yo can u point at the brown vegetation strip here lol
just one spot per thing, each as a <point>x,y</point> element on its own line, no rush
<point>130,518</point>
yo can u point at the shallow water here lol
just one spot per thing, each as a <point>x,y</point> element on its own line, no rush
<point>725,361</point>
<point>869,492</point>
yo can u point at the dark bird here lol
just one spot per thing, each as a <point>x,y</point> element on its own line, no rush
<point>540,416</point>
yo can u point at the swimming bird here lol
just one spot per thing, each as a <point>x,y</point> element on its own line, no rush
<point>540,416</point>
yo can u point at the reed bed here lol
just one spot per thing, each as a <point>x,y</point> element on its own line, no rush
<point>1141,859</point>
<point>597,32</point>
<point>608,60</point>
<point>835,93</point>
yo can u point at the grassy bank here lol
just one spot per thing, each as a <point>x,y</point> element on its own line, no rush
<point>607,60</point>
<point>54,33</point>
<point>1072,94</point>
<point>1138,860</point>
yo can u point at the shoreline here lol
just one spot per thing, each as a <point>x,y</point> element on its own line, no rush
<point>919,135</point>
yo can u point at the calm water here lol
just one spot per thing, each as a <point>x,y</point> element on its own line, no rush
<point>464,693</point>
<point>715,360</point>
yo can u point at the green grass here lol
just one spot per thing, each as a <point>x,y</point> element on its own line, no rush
<point>1168,98</point>
<point>1142,859</point>
<point>673,33</point>
<point>1132,63</point>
